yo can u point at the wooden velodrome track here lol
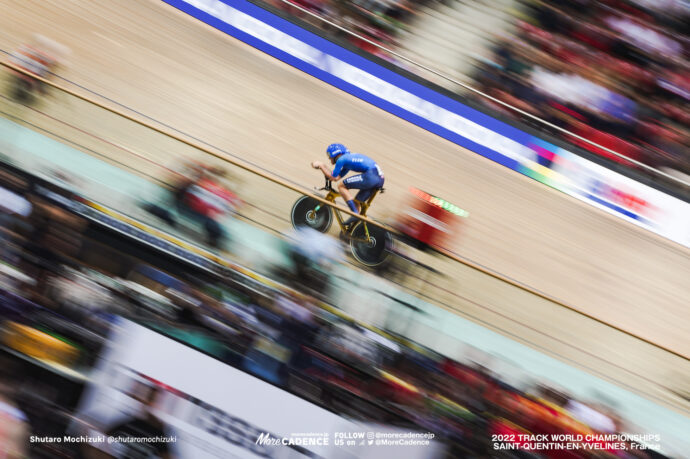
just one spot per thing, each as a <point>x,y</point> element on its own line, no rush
<point>150,57</point>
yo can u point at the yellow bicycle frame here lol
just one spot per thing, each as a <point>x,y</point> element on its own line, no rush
<point>332,195</point>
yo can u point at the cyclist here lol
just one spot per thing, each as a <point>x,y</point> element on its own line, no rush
<point>370,176</point>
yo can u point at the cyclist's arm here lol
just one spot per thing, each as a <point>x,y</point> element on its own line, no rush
<point>322,167</point>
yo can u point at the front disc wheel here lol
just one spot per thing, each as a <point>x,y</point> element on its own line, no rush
<point>304,213</point>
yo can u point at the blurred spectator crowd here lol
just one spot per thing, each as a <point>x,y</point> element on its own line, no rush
<point>615,72</point>
<point>64,278</point>
<point>380,21</point>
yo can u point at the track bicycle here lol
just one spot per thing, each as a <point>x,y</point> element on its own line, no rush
<point>369,244</point>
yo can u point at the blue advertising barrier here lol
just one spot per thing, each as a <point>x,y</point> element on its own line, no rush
<point>360,77</point>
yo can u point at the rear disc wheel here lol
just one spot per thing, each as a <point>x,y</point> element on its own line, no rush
<point>374,250</point>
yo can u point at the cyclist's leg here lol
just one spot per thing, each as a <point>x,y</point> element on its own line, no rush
<point>373,182</point>
<point>364,194</point>
<point>344,187</point>
<point>365,183</point>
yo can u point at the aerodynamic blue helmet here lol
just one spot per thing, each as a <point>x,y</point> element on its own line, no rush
<point>336,149</point>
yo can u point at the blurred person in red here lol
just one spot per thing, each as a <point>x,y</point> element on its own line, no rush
<point>199,193</point>
<point>39,58</point>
